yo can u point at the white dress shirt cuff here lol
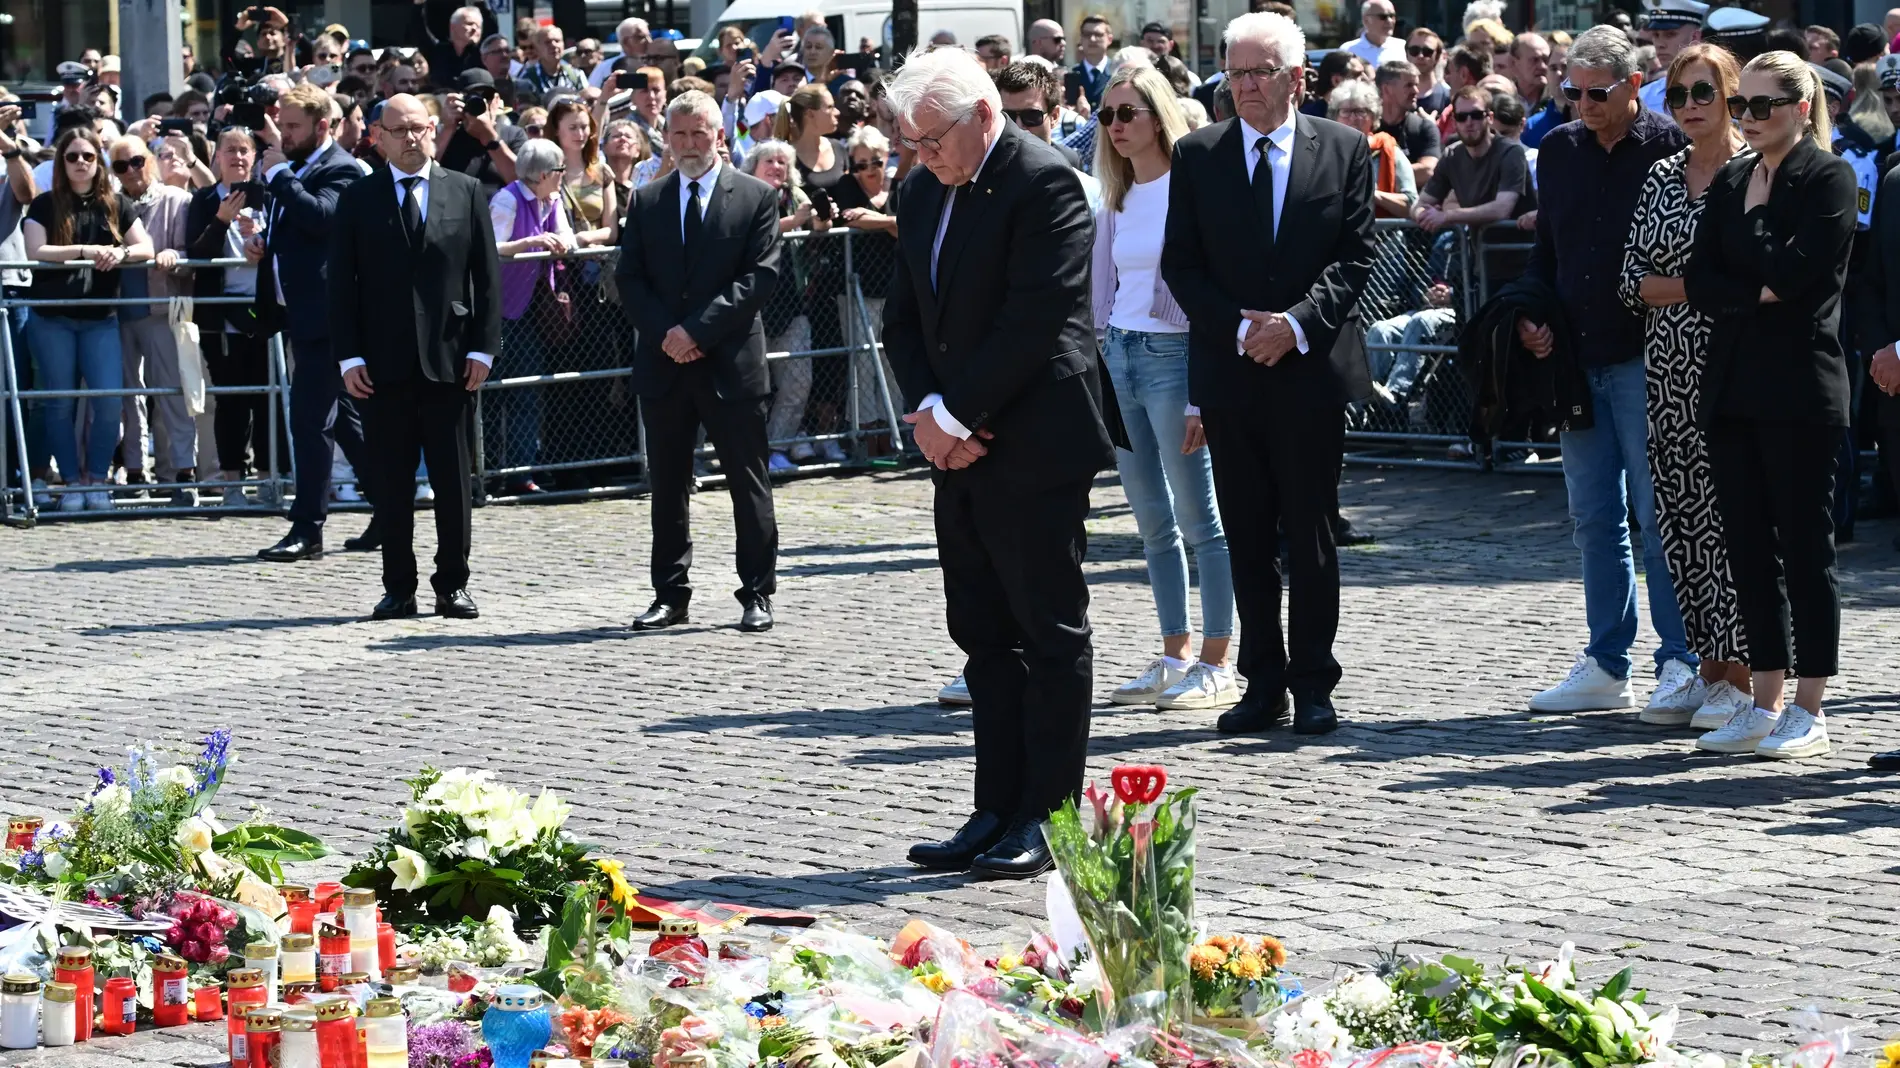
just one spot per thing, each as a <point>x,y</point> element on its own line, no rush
<point>946,421</point>
<point>1299,336</point>
<point>1240,338</point>
<point>482,358</point>
<point>347,365</point>
<point>1193,410</point>
<point>271,175</point>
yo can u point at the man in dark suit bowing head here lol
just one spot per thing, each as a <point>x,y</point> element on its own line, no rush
<point>415,317</point>
<point>989,330</point>
<point>1268,246</point>
<point>699,258</point>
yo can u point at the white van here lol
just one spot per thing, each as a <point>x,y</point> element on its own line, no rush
<point>852,20</point>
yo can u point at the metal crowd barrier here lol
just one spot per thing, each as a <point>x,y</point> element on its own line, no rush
<point>558,418</point>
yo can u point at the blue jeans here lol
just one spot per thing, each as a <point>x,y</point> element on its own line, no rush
<point>514,415</point>
<point>39,455</point>
<point>1398,368</point>
<point>1598,464</point>
<point>64,352</point>
<point>1171,494</point>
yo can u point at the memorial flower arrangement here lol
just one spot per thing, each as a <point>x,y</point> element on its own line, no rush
<point>467,844</point>
<point>489,942</point>
<point>1234,977</point>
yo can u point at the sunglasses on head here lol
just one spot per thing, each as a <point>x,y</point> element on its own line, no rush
<point>1598,93</point>
<point>1469,116</point>
<point>1025,116</point>
<point>81,157</point>
<point>1124,114</point>
<point>1757,107</point>
<point>1421,51</point>
<point>1678,96</point>
<point>122,166</point>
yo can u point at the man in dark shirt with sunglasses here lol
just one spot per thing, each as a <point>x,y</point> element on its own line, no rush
<point>1589,176</point>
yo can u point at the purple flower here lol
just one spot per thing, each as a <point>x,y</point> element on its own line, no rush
<point>212,761</point>
<point>439,1045</point>
<point>107,777</point>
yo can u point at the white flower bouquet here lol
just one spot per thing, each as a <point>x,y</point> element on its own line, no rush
<point>467,844</point>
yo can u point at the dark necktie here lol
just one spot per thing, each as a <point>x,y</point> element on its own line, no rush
<point>1263,184</point>
<point>411,210</point>
<point>695,219</point>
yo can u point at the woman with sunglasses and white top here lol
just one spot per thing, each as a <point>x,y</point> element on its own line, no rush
<point>1676,345</point>
<point>1768,266</point>
<point>1165,472</point>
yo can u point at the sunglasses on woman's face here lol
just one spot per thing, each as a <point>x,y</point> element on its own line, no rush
<point>81,157</point>
<point>1598,93</point>
<point>123,166</point>
<point>862,165</point>
<point>1678,96</point>
<point>1757,107</point>
<point>1124,114</point>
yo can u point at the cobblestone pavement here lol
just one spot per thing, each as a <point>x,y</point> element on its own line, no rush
<point>791,769</point>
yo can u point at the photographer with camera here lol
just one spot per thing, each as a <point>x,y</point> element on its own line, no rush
<point>16,194</point>
<point>305,171</point>
<point>272,52</point>
<point>475,137</point>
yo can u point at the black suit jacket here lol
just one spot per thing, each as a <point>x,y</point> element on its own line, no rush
<point>1007,335</point>
<point>204,240</point>
<point>1221,257</point>
<point>1875,292</point>
<point>303,209</point>
<point>734,272</point>
<point>1781,361</point>
<point>414,309</point>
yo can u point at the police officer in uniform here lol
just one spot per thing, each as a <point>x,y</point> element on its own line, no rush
<point>1673,25</point>
<point>1741,31</point>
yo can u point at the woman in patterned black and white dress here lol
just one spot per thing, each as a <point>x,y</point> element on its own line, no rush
<point>1700,81</point>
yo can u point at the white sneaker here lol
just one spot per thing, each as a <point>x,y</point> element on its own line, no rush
<point>41,498</point>
<point>1204,686</point>
<point>954,692</point>
<point>345,493</point>
<point>425,493</point>
<point>1679,692</point>
<point>1799,734</point>
<point>1719,706</point>
<point>1143,689</point>
<point>72,502</point>
<point>1588,688</point>
<point>1743,732</point>
<point>832,452</point>
<point>802,453</point>
<point>98,501</point>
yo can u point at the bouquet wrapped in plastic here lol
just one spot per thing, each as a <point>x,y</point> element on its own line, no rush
<point>1130,872</point>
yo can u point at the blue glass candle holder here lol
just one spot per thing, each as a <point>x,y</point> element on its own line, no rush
<point>518,1022</point>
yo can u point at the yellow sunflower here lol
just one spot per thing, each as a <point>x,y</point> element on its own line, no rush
<point>1246,966</point>
<point>1273,952</point>
<point>622,890</point>
<point>1205,960</point>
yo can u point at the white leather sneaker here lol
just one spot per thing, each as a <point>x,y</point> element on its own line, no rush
<point>1742,733</point>
<point>954,692</point>
<point>1679,692</point>
<point>1148,686</point>
<point>1719,706</point>
<point>1204,686</point>
<point>1800,734</point>
<point>1588,688</point>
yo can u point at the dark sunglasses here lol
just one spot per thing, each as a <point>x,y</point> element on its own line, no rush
<point>533,129</point>
<point>1382,16</point>
<point>121,166</point>
<point>1421,51</point>
<point>1678,96</point>
<point>81,157</point>
<point>1757,107</point>
<point>1026,116</point>
<point>1469,116</point>
<point>1124,114</point>
<point>1598,93</point>
<point>866,165</point>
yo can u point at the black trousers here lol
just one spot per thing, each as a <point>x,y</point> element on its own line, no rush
<point>1775,483</point>
<point>1889,424</point>
<point>241,425</point>
<point>1277,472</point>
<point>321,414</point>
<point>737,431</point>
<point>403,421</point>
<point>1018,606</point>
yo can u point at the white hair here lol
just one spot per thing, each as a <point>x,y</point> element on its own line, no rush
<point>1037,60</point>
<point>869,136</point>
<point>1279,35</point>
<point>949,79</point>
<point>1352,93</point>
<point>1367,6</point>
<point>1131,56</point>
<point>778,150</point>
<point>537,159</point>
<point>627,26</point>
<point>1482,9</point>
<point>693,102</point>
<point>471,10</point>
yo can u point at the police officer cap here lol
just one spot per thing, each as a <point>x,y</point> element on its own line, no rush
<point>1888,67</point>
<point>1729,22</point>
<point>73,72</point>
<point>1674,14</point>
<point>1831,83</point>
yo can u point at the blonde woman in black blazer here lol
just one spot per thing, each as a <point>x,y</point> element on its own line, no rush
<point>1769,265</point>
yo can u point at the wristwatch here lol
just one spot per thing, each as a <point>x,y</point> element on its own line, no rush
<point>13,155</point>
<point>492,145</point>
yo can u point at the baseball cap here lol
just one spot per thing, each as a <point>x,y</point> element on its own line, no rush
<point>1156,27</point>
<point>109,65</point>
<point>1862,43</point>
<point>763,106</point>
<point>473,77</point>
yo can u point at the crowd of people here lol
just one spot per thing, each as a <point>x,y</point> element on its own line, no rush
<point>1710,288</point>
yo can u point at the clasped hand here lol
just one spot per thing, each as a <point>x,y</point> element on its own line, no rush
<point>944,449</point>
<point>680,347</point>
<point>1269,338</point>
<point>1886,371</point>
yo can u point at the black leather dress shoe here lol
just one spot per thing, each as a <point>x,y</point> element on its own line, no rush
<point>1252,715</point>
<point>457,605</point>
<point>369,541</point>
<point>293,548</point>
<point>1889,761</point>
<point>394,607</point>
<point>659,615</point>
<point>757,616</point>
<point>1021,854</point>
<point>978,834</point>
<point>1314,717</point>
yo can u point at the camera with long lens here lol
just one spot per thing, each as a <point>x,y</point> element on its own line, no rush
<point>244,92</point>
